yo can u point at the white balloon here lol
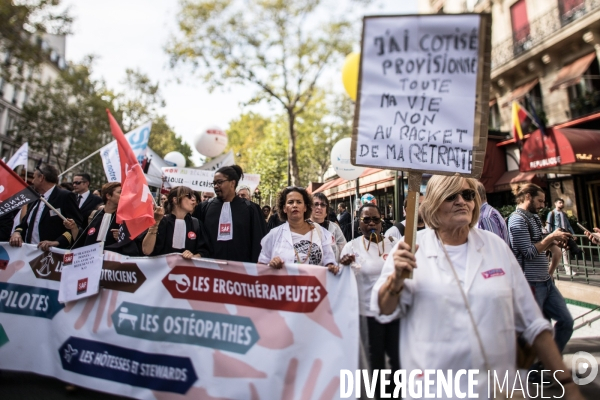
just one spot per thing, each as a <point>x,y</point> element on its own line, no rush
<point>340,160</point>
<point>176,158</point>
<point>211,142</point>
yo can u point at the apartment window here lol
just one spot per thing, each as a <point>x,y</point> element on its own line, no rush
<point>535,104</point>
<point>520,26</point>
<point>570,10</point>
<point>1,87</point>
<point>495,121</point>
<point>584,97</point>
<point>11,124</point>
<point>16,95</point>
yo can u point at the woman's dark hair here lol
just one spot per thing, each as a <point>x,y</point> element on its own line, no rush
<point>109,188</point>
<point>178,193</point>
<point>527,189</point>
<point>368,205</point>
<point>67,186</point>
<point>282,197</point>
<point>232,172</point>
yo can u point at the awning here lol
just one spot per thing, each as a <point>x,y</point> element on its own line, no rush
<point>570,75</point>
<point>562,151</point>
<point>511,178</point>
<point>519,92</point>
<point>327,185</point>
<point>494,165</point>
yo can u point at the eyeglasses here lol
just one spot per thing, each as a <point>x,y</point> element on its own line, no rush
<point>368,220</point>
<point>219,183</point>
<point>189,196</point>
<point>78,182</point>
<point>322,205</point>
<point>467,195</point>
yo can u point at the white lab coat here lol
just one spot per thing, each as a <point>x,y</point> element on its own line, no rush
<point>278,242</point>
<point>435,329</point>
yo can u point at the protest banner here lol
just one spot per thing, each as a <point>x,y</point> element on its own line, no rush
<point>14,191</point>
<point>200,180</point>
<point>164,327</point>
<point>80,275</point>
<point>138,140</point>
<point>423,94</point>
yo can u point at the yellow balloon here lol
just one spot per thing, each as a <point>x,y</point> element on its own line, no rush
<point>350,74</point>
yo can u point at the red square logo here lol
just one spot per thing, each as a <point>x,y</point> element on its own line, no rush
<point>68,258</point>
<point>224,229</point>
<point>82,285</point>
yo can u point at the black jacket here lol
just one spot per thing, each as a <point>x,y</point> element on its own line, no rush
<point>345,218</point>
<point>90,204</point>
<point>51,226</point>
<point>194,241</point>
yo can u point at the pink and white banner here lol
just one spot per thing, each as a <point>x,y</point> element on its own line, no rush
<point>169,328</point>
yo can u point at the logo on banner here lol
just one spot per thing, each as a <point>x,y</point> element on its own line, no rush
<point>218,331</point>
<point>91,231</point>
<point>82,285</point>
<point>191,235</point>
<point>29,300</point>
<point>224,229</point>
<point>68,259</point>
<point>160,372</point>
<point>275,292</point>
<point>47,266</point>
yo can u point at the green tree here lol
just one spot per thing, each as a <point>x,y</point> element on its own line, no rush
<point>21,24</point>
<point>281,47</point>
<point>164,140</point>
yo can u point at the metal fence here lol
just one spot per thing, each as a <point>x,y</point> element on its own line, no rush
<point>584,269</point>
<point>538,31</point>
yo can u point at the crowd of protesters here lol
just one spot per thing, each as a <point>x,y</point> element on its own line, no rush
<point>416,322</point>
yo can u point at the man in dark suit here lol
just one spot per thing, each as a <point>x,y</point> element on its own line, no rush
<point>85,199</point>
<point>43,226</point>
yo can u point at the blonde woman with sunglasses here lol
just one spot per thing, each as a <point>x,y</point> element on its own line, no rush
<point>177,231</point>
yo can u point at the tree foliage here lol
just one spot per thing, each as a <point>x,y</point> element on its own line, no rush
<point>281,47</point>
<point>22,25</point>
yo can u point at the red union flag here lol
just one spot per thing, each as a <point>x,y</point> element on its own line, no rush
<point>300,294</point>
<point>135,206</point>
<point>14,192</point>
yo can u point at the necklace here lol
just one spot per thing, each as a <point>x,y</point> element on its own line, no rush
<point>308,251</point>
<point>377,241</point>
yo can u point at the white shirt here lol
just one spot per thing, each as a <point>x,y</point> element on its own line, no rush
<point>393,231</point>
<point>339,241</point>
<point>35,233</point>
<point>279,243</point>
<point>84,197</point>
<point>370,263</point>
<point>458,256</point>
<point>435,329</point>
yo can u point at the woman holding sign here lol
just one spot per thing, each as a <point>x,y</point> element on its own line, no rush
<point>370,252</point>
<point>467,297</point>
<point>298,240</point>
<point>178,231</point>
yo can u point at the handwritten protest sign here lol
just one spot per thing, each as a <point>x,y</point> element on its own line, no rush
<point>423,93</point>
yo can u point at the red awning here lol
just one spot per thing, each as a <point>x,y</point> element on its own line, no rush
<point>331,183</point>
<point>519,92</point>
<point>562,151</point>
<point>494,165</point>
<point>570,75</point>
<point>510,178</point>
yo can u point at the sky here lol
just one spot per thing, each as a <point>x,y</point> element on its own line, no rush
<point>133,34</point>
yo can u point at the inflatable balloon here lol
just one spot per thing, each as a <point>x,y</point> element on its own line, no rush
<point>350,74</point>
<point>211,142</point>
<point>368,198</point>
<point>176,158</point>
<point>340,160</point>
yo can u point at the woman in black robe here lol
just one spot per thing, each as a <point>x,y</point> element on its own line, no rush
<point>233,226</point>
<point>177,231</point>
<point>103,226</point>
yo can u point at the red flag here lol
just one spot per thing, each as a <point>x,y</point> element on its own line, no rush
<point>14,192</point>
<point>136,203</point>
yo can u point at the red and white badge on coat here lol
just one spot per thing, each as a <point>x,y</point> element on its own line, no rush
<point>191,235</point>
<point>91,231</point>
<point>224,229</point>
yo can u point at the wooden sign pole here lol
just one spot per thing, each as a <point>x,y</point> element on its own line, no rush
<point>412,213</point>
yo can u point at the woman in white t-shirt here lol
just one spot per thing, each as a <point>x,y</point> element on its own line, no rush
<point>370,252</point>
<point>298,240</point>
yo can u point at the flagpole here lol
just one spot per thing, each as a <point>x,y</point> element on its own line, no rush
<point>85,159</point>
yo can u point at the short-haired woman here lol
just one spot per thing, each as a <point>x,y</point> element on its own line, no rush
<point>177,231</point>
<point>298,240</point>
<point>320,211</point>
<point>467,297</point>
<point>370,252</point>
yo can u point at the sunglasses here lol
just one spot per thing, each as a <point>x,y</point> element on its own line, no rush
<point>219,183</point>
<point>368,220</point>
<point>189,196</point>
<point>78,182</point>
<point>323,205</point>
<point>467,195</point>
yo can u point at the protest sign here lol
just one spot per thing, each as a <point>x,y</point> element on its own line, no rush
<point>138,140</point>
<point>186,329</point>
<point>423,93</point>
<point>200,180</point>
<point>80,276</point>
